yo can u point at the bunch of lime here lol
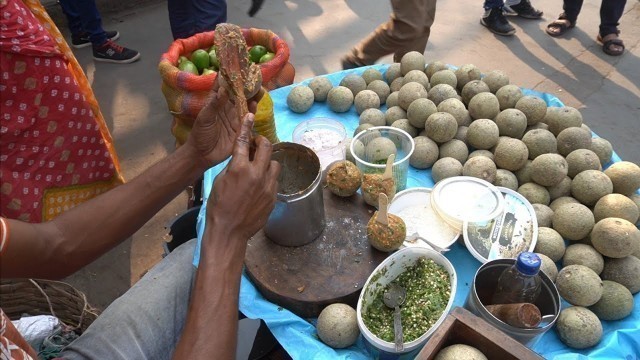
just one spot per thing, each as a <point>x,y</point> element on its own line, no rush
<point>205,62</point>
<point>260,54</point>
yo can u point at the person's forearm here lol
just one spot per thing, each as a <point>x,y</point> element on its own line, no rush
<point>212,320</point>
<point>80,235</point>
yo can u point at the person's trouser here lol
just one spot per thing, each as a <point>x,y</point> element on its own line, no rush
<point>407,30</point>
<point>493,4</point>
<point>83,17</point>
<point>145,322</point>
<point>610,13</point>
<point>189,17</point>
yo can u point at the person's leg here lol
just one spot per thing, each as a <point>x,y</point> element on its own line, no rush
<point>610,14</point>
<point>492,4</point>
<point>89,16</point>
<point>402,32</point>
<point>210,13</point>
<point>181,18</point>
<point>73,16</point>
<point>494,19</point>
<point>572,10</point>
<point>427,15</point>
<point>145,322</point>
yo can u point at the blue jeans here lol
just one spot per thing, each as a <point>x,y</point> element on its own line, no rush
<point>189,17</point>
<point>493,4</point>
<point>83,17</point>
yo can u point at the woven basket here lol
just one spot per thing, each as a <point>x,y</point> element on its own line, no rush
<point>46,297</point>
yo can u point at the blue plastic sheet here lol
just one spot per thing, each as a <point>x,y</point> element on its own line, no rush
<point>621,339</point>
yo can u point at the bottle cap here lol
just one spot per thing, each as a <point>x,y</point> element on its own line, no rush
<point>528,263</point>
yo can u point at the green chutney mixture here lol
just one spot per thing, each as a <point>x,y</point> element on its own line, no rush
<point>428,291</point>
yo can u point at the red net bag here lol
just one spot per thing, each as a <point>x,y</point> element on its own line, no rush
<point>186,93</point>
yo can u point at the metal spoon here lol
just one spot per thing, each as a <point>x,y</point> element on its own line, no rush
<point>393,298</point>
<point>415,236</point>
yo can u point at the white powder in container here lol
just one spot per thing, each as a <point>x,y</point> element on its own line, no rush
<point>423,219</point>
<point>327,144</point>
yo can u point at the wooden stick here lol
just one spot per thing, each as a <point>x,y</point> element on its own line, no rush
<point>522,315</point>
<point>387,170</point>
<point>383,202</point>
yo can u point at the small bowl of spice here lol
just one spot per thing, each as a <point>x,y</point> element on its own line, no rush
<point>326,137</point>
<point>430,283</point>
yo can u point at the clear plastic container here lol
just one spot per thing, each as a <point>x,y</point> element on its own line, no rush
<point>513,231</point>
<point>326,137</point>
<point>404,146</point>
<point>519,283</point>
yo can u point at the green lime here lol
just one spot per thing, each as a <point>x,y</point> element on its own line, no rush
<point>213,59</point>
<point>208,71</point>
<point>200,59</point>
<point>267,57</point>
<point>256,52</point>
<point>181,59</point>
<point>188,66</point>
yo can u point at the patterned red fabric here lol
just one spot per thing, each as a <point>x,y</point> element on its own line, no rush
<point>12,344</point>
<point>50,137</point>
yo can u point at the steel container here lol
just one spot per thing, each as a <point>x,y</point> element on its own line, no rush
<point>298,217</point>
<point>484,285</point>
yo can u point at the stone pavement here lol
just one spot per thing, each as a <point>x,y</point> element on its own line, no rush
<point>573,68</point>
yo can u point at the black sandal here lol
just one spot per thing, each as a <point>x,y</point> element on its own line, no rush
<point>560,26</point>
<point>606,45</point>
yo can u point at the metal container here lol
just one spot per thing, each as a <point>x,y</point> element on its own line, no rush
<point>483,288</point>
<point>298,216</point>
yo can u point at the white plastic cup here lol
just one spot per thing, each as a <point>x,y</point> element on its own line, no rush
<point>388,271</point>
<point>326,137</point>
<point>404,148</point>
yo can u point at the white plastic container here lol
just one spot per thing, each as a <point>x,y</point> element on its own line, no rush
<point>326,137</point>
<point>388,271</point>
<point>465,198</point>
<point>413,206</point>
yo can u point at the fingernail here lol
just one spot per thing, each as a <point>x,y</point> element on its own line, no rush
<point>250,118</point>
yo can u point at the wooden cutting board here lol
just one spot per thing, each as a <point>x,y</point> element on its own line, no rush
<point>333,268</point>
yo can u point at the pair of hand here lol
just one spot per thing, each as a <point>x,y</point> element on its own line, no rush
<point>245,192</point>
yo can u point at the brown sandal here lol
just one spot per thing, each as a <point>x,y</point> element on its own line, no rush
<point>610,40</point>
<point>560,26</point>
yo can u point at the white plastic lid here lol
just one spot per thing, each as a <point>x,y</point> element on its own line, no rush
<point>513,231</point>
<point>414,207</point>
<point>465,198</point>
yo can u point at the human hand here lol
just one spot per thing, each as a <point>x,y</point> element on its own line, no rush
<point>244,193</point>
<point>217,126</point>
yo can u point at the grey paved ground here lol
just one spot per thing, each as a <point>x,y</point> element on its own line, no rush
<point>606,89</point>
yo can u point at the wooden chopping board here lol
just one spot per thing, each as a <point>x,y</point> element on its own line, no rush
<point>333,268</point>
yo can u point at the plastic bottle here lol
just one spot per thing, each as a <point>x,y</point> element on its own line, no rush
<point>519,283</point>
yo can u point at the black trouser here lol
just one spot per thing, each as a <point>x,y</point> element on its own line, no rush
<point>610,13</point>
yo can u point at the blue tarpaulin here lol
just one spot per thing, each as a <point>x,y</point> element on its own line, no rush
<point>621,339</point>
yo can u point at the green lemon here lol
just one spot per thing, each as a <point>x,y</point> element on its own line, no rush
<point>256,52</point>
<point>267,57</point>
<point>208,71</point>
<point>213,59</point>
<point>188,66</point>
<point>181,59</point>
<point>200,59</point>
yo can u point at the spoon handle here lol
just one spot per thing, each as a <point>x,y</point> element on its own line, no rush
<point>397,329</point>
